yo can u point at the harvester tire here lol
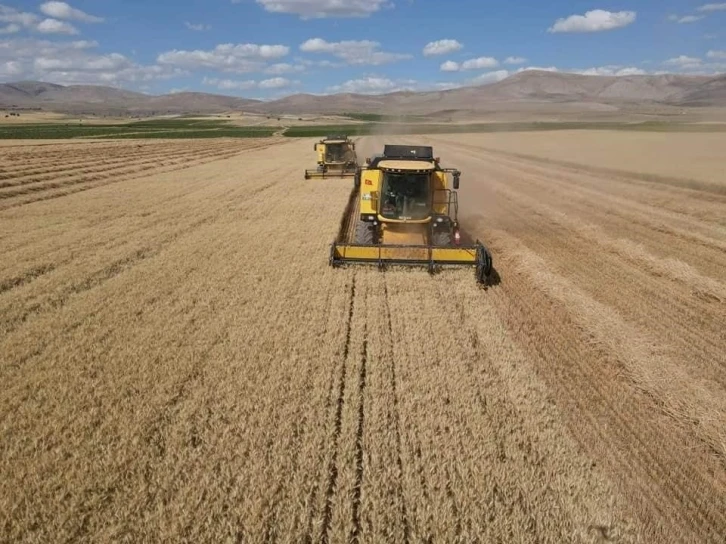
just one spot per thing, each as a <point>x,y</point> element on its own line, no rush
<point>365,233</point>
<point>441,238</point>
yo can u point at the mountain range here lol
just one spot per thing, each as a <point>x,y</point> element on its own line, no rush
<point>528,89</point>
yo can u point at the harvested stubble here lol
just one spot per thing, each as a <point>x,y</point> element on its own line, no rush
<point>180,363</point>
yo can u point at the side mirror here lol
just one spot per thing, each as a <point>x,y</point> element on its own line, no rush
<point>352,146</point>
<point>368,160</point>
<point>456,181</point>
<point>315,147</point>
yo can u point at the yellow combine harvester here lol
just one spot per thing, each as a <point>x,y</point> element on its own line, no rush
<point>336,158</point>
<point>408,215</point>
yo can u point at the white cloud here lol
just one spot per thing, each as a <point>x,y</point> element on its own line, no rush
<point>612,71</point>
<point>367,85</point>
<point>489,77</point>
<point>685,18</point>
<point>443,86</point>
<point>479,63</point>
<point>382,85</point>
<point>441,47</point>
<point>83,44</point>
<point>450,66</point>
<point>713,7</point>
<point>630,71</point>
<point>113,62</point>
<point>596,20</point>
<point>10,29</point>
<point>201,27</point>
<point>539,69</point>
<point>61,10</point>
<point>515,60</point>
<point>684,62</point>
<point>229,84</point>
<point>284,68</point>
<point>688,64</point>
<point>318,9</point>
<point>54,26</point>
<point>75,62</point>
<point>228,57</point>
<point>275,83</point>
<point>15,18</point>
<point>10,69</point>
<point>353,52</point>
<point>721,55</point>
<point>15,21</point>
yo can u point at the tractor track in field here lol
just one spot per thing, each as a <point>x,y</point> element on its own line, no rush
<point>333,469</point>
<point>359,445</point>
<point>396,417</point>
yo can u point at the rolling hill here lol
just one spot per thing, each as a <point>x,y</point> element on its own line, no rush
<point>523,91</point>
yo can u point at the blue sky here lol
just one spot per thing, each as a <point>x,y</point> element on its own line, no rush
<point>272,48</point>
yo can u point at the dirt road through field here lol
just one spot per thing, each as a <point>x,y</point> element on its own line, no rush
<point>179,362</point>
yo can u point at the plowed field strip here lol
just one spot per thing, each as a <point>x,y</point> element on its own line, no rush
<point>333,469</point>
<point>55,170</point>
<point>52,174</point>
<point>14,197</point>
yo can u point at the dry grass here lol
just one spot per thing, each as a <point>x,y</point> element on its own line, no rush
<point>179,362</point>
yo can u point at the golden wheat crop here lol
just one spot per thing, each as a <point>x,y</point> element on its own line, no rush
<point>179,362</point>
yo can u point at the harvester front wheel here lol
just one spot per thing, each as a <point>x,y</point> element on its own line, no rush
<point>365,233</point>
<point>441,237</point>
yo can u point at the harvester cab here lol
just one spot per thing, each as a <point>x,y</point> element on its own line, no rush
<point>336,158</point>
<point>408,215</point>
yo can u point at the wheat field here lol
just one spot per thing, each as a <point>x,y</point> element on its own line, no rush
<point>179,362</point>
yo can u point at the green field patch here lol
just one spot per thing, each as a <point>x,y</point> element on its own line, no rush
<point>158,128</point>
<point>241,132</point>
<point>420,128</point>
